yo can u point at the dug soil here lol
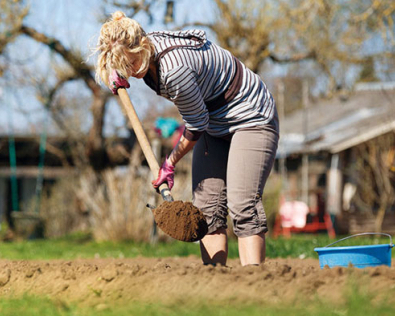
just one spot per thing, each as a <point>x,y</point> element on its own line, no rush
<point>96,282</point>
<point>181,220</point>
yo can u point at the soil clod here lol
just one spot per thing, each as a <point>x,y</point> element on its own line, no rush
<point>181,220</point>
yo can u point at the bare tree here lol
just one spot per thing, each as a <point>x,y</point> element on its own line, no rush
<point>246,28</point>
<point>11,17</point>
<point>131,7</point>
<point>331,33</point>
<point>90,150</point>
<point>375,168</point>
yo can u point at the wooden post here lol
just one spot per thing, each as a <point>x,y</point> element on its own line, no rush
<point>281,114</point>
<point>334,186</point>
<point>305,158</point>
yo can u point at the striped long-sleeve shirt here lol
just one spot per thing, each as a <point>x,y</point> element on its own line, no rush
<point>193,71</point>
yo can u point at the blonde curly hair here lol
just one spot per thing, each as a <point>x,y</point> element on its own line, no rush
<point>120,39</point>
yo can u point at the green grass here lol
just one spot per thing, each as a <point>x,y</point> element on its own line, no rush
<point>82,246</point>
<point>357,303</point>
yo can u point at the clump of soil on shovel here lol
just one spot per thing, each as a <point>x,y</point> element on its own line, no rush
<point>181,220</point>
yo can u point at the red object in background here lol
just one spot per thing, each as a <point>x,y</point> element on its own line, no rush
<point>292,218</point>
<point>158,131</point>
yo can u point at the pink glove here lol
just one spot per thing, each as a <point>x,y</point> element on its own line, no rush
<point>116,81</point>
<point>166,174</point>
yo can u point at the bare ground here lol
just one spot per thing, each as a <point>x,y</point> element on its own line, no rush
<point>171,280</point>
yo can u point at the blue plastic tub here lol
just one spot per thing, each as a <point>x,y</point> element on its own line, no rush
<point>357,256</point>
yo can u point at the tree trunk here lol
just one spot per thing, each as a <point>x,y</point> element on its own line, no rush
<point>95,147</point>
<point>379,219</point>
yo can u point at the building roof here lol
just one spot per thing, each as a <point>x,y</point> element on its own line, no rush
<point>339,123</point>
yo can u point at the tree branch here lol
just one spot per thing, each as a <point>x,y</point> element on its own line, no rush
<point>294,58</point>
<point>79,66</point>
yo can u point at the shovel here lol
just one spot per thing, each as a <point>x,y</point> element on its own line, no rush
<point>179,220</point>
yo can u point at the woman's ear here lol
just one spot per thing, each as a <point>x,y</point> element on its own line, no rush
<point>146,43</point>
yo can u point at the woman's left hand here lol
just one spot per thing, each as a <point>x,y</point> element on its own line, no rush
<point>116,81</point>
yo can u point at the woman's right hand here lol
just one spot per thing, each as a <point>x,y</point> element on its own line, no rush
<point>116,81</point>
<point>166,174</point>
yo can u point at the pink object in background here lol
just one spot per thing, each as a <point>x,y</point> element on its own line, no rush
<point>293,214</point>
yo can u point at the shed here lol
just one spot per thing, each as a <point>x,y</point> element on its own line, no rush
<point>316,145</point>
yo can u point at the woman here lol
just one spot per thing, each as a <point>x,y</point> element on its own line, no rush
<point>230,120</point>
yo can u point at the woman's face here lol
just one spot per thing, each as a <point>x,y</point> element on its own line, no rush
<point>135,66</point>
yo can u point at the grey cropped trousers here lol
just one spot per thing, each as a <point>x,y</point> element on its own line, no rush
<point>230,174</point>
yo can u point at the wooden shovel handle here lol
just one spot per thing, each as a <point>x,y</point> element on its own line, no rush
<point>143,140</point>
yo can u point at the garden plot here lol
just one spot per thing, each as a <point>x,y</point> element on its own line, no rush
<point>185,280</point>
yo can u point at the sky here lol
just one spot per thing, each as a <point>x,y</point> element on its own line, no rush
<point>76,24</point>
